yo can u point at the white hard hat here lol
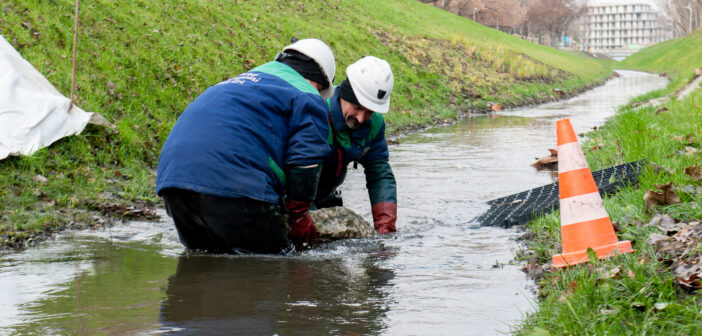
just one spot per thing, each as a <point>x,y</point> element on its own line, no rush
<point>322,55</point>
<point>372,82</point>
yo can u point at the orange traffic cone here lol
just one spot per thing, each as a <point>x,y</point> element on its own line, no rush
<point>584,219</point>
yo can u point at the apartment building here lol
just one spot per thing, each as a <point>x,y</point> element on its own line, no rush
<point>620,26</point>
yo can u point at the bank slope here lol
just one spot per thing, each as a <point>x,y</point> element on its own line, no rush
<point>676,58</point>
<point>656,290</point>
<point>140,63</point>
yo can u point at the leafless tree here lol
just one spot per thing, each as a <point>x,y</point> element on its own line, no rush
<point>681,15</point>
<point>553,17</point>
<point>507,14</point>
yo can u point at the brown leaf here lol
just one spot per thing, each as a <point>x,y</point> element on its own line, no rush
<point>652,199</point>
<point>667,197</point>
<point>655,238</point>
<point>689,234</point>
<point>670,196</point>
<point>617,227</point>
<point>546,161</point>
<point>661,110</point>
<point>689,275</point>
<point>694,171</point>
<point>630,274</point>
<point>668,225</point>
<point>658,169</point>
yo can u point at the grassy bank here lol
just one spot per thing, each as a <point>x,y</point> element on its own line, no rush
<point>644,293</point>
<point>142,62</point>
<point>676,58</point>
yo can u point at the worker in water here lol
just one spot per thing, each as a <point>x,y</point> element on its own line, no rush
<point>243,146</point>
<point>358,135</point>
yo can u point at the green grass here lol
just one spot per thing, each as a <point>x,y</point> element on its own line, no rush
<point>578,300</point>
<point>140,63</point>
<point>677,58</point>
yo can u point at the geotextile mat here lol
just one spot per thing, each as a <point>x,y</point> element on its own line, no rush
<point>521,207</point>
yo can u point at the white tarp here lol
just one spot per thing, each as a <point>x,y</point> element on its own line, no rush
<point>33,114</point>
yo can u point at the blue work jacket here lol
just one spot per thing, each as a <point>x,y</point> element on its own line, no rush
<point>237,138</point>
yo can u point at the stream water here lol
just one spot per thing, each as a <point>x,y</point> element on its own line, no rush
<point>440,274</point>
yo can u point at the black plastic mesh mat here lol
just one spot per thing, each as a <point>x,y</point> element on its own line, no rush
<point>521,207</point>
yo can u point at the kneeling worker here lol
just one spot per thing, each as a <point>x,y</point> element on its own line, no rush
<point>242,145</point>
<point>358,132</point>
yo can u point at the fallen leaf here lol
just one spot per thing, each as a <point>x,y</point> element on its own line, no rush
<point>660,306</point>
<point>661,110</point>
<point>547,162</point>
<point>668,225</point>
<point>655,238</point>
<point>689,234</point>
<point>616,226</point>
<point>609,274</point>
<point>607,311</point>
<point>655,220</point>
<point>630,274</point>
<point>694,171</point>
<point>658,169</point>
<point>689,275</point>
<point>40,179</point>
<point>666,197</point>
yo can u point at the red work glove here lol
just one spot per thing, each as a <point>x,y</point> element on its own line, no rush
<point>384,217</point>
<point>302,228</point>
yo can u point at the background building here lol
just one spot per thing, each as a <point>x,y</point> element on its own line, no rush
<point>620,28</point>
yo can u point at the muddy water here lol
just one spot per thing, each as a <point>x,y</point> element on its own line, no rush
<point>440,274</point>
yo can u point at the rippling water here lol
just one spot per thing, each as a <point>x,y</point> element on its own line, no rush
<point>439,274</point>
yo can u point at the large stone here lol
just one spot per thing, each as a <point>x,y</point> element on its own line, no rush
<point>340,223</point>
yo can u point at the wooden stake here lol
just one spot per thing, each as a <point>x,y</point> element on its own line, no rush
<point>73,70</point>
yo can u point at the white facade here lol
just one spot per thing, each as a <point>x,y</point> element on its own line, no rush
<point>620,27</point>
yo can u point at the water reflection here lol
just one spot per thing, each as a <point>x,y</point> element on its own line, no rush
<point>91,287</point>
<point>233,295</point>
